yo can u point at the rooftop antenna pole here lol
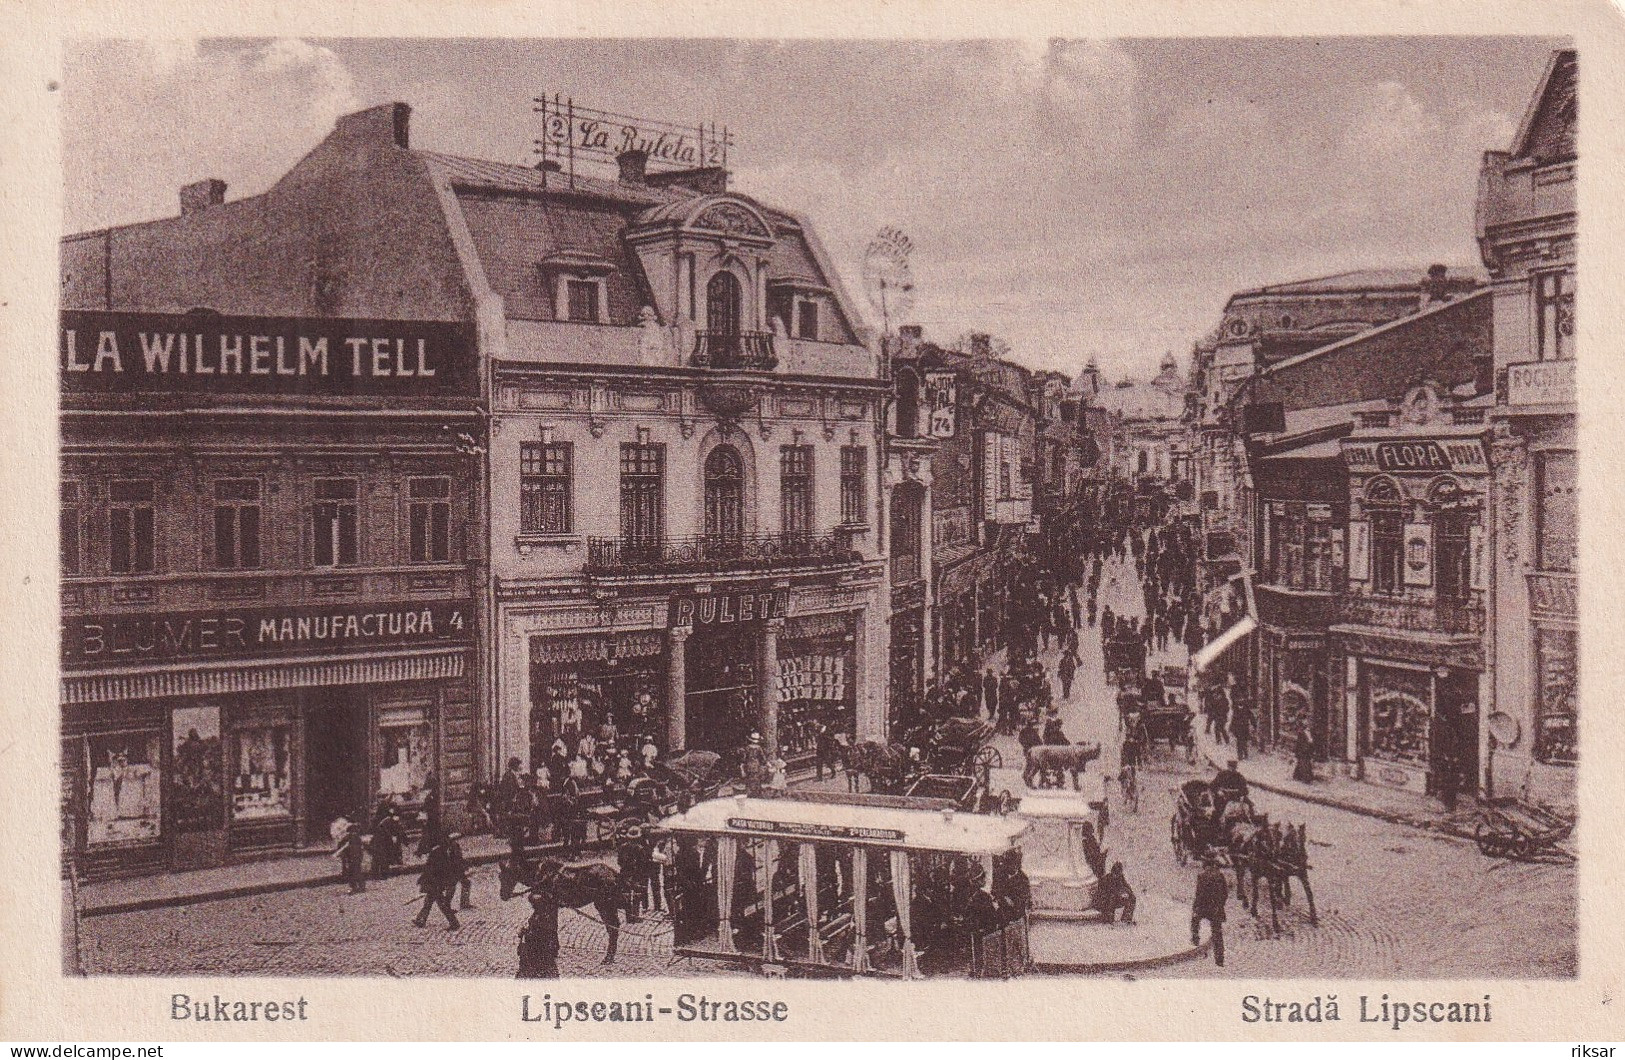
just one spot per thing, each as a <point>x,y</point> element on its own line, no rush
<point>570,133</point>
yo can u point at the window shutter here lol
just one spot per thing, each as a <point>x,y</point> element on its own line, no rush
<point>1360,550</point>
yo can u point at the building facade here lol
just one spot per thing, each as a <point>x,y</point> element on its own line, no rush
<point>270,459</point>
<point>1526,232</point>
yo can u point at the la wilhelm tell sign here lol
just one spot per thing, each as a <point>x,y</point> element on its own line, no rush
<point>109,352</point>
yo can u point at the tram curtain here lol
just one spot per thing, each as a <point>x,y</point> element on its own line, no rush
<point>727,862</point>
<point>769,872</point>
<point>900,892</point>
<point>807,863</point>
<point>860,909</point>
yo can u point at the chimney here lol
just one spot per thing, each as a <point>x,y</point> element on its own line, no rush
<point>909,337</point>
<point>388,125</point>
<point>1436,288</point>
<point>981,344</point>
<point>195,198</point>
<point>633,164</point>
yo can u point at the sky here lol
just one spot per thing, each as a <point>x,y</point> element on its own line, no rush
<point>1077,199</point>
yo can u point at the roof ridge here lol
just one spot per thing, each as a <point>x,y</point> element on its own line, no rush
<point>1370,332</point>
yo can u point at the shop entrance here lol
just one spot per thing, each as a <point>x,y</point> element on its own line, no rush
<point>722,690</point>
<point>335,762</point>
<point>1455,752</point>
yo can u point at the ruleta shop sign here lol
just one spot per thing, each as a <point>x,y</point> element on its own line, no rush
<point>100,640</point>
<point>105,352</point>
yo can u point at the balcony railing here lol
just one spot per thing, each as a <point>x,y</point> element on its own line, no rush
<point>707,553</point>
<point>734,350</point>
<point>1415,616</point>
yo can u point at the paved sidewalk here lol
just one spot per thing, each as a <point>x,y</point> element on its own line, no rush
<point>313,869</point>
<point>1273,772</point>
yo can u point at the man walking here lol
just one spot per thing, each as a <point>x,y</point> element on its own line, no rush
<point>753,765</point>
<point>1241,728</point>
<point>1212,892</point>
<point>990,696</point>
<point>441,874</point>
<point>1068,669</point>
<point>350,852</point>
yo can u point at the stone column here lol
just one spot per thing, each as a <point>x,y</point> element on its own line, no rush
<point>677,688</point>
<point>768,685</point>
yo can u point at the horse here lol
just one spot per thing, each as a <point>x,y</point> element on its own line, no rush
<point>885,765</point>
<point>571,886</point>
<point>1072,758</point>
<point>1291,862</point>
<point>1275,855</point>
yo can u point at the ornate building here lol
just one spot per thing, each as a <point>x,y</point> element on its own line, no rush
<point>1526,231</point>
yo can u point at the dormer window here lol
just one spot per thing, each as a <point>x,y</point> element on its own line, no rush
<point>578,280</point>
<point>797,306</point>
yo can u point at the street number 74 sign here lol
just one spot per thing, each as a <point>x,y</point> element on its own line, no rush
<point>943,395</point>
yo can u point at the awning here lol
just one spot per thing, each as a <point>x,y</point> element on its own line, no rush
<point>1216,647</point>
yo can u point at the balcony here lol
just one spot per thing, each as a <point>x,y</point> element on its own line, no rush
<point>706,554</point>
<point>1289,608</point>
<point>734,350</point>
<point>1414,616</point>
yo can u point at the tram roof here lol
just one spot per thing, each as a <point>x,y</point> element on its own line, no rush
<point>911,829</point>
<point>1051,803</point>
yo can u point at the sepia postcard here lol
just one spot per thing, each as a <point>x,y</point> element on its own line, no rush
<point>813,523</point>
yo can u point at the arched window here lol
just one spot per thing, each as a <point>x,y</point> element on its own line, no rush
<point>724,500</point>
<point>1384,505</point>
<point>723,304</point>
<point>908,403</point>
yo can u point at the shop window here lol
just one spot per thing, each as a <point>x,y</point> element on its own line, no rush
<point>724,497</point>
<point>1286,532</point>
<point>130,527</point>
<point>545,471</point>
<point>1387,552</point>
<point>1554,314</point>
<point>1556,510</point>
<point>262,771</point>
<point>584,301</point>
<point>237,524</point>
<point>642,492</point>
<point>795,488</point>
<point>406,753</point>
<point>197,789</point>
<point>68,543</point>
<point>854,482</point>
<point>334,522</point>
<point>125,804</point>
<point>1557,723</point>
<point>429,519</point>
<point>1400,713</point>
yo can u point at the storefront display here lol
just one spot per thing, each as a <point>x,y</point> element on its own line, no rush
<point>578,686</point>
<point>1400,712</point>
<point>125,804</point>
<point>1556,723</point>
<point>815,681</point>
<point>262,779</point>
<point>406,753</point>
<point>196,793</point>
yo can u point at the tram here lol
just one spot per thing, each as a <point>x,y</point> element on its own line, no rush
<point>849,885</point>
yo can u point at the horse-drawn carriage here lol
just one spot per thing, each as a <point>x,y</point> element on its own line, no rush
<point>1226,827</point>
<point>956,747</point>
<point>1155,712</point>
<point>1125,660</point>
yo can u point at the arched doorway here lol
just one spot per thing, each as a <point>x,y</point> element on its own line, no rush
<point>724,501</point>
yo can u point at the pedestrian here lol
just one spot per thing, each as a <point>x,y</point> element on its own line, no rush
<point>1114,897</point>
<point>753,765</point>
<point>431,814</point>
<point>351,851</point>
<point>1303,755</point>
<point>990,694</point>
<point>1221,716</point>
<point>465,882</point>
<point>508,786</point>
<point>539,939</point>
<point>1068,670</point>
<point>1212,893</point>
<point>388,839</point>
<point>1077,607</point>
<point>827,753</point>
<point>1241,729</point>
<point>439,878</point>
